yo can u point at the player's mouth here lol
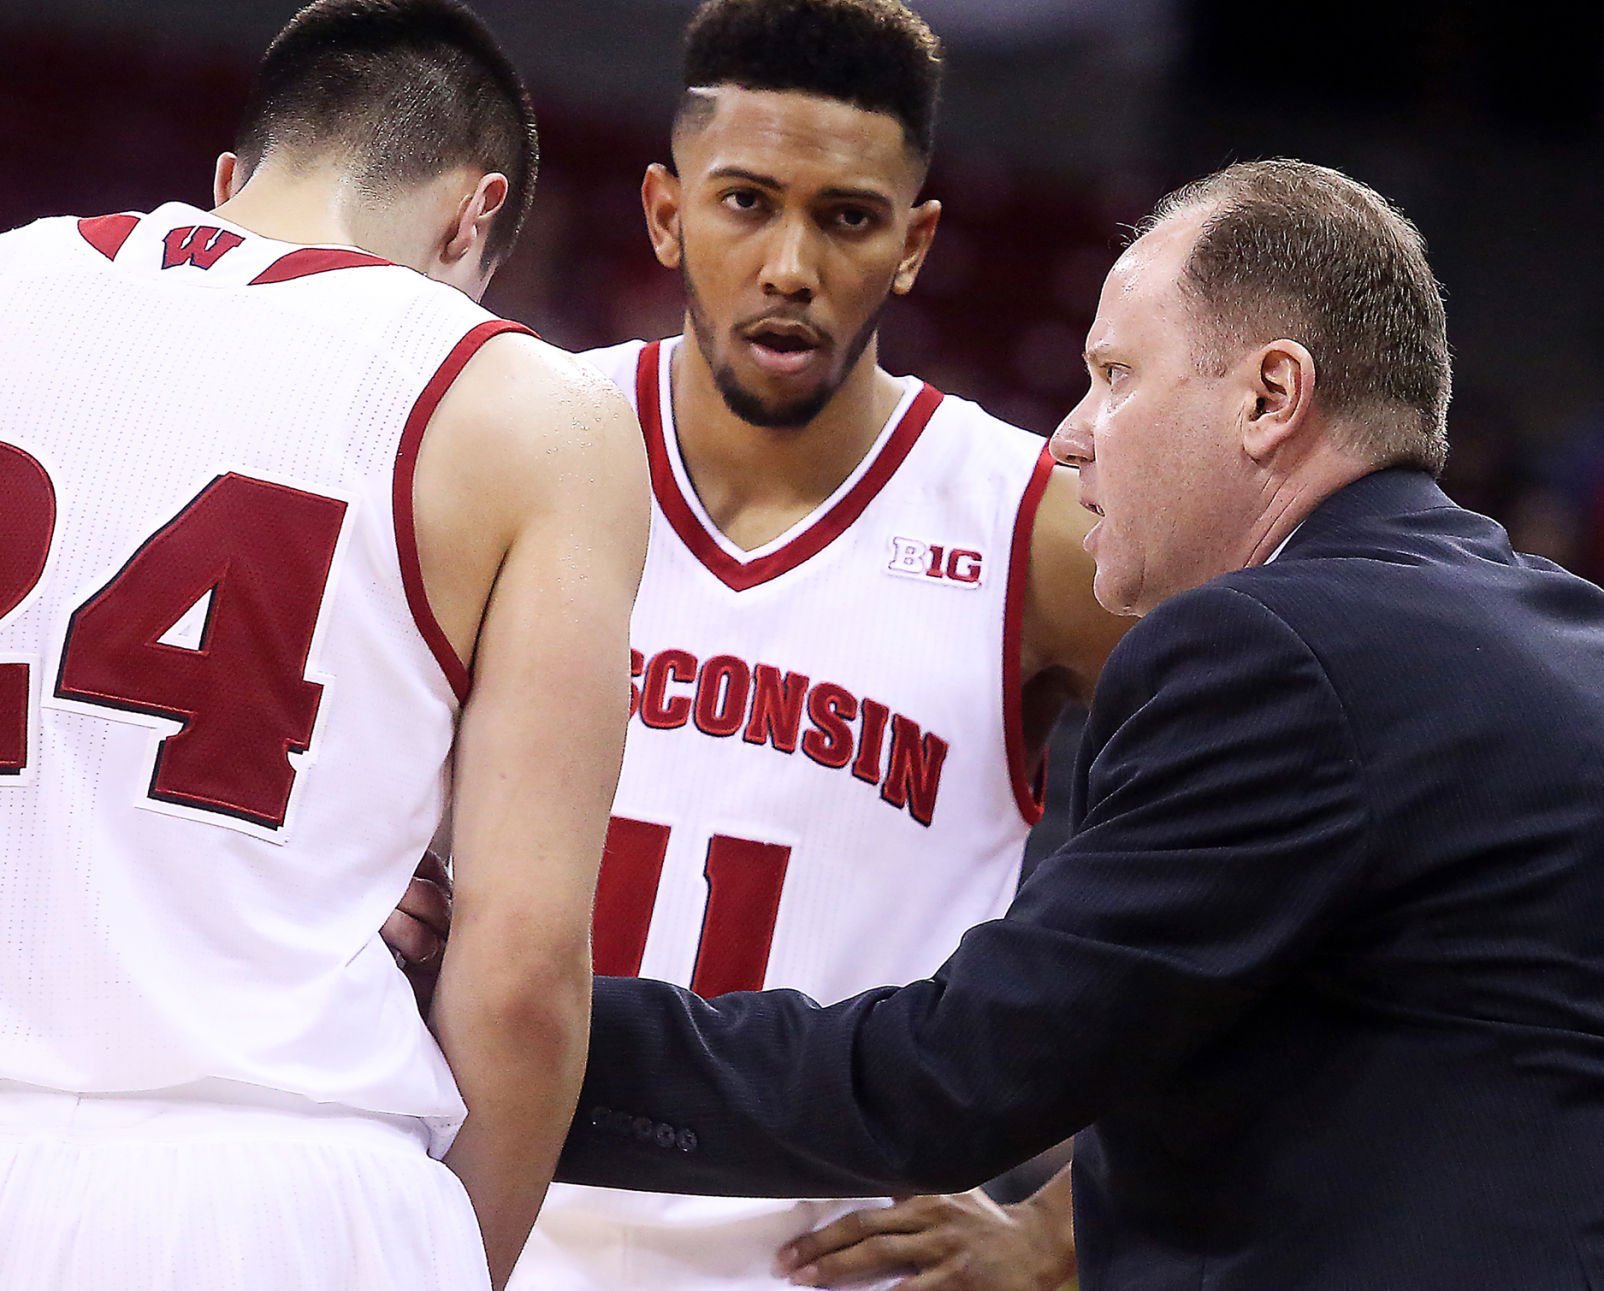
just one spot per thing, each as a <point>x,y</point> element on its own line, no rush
<point>783,348</point>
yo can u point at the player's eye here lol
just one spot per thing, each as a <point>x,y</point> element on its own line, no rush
<point>855,219</point>
<point>743,199</point>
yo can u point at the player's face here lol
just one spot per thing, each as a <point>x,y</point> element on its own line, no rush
<point>1158,443</point>
<point>792,221</point>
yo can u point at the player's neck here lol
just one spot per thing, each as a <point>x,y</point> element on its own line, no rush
<point>755,482</point>
<point>311,207</point>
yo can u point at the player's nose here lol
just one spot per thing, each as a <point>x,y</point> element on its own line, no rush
<point>790,268</point>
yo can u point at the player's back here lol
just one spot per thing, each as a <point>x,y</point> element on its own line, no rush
<point>225,708</point>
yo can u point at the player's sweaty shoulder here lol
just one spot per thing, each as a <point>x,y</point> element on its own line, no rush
<point>528,440</point>
<point>523,419</point>
<point>1064,626</point>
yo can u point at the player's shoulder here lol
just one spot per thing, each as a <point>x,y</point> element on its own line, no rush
<point>47,226</point>
<point>527,425</point>
<point>972,427</point>
<point>618,363</point>
<point>535,394</point>
<point>55,234</point>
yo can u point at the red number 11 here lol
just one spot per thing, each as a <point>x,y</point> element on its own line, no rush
<point>744,881</point>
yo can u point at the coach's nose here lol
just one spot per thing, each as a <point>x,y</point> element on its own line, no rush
<point>1071,444</point>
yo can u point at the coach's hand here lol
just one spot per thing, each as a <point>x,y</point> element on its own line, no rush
<point>953,1243</point>
<point>417,929</point>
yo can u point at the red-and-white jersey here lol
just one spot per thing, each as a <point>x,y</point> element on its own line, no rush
<point>225,709</point>
<point>823,783</point>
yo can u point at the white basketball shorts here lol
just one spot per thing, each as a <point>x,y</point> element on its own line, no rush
<point>574,1251</point>
<point>120,1193</point>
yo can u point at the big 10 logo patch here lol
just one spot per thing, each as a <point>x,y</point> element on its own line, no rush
<point>954,566</point>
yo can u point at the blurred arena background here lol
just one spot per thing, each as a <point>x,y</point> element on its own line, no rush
<point>1063,119</point>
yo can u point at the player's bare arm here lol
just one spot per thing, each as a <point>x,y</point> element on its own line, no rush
<point>1067,635</point>
<point>531,516</point>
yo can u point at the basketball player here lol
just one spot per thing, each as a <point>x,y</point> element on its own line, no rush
<point>283,509</point>
<point>865,605</point>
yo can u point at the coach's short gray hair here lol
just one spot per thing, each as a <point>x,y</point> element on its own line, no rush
<point>1289,249</point>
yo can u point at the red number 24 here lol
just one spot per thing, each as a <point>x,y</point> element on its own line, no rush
<point>263,553</point>
<point>744,880</point>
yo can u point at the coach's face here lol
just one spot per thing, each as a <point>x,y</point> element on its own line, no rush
<point>1159,443</point>
<point>792,218</point>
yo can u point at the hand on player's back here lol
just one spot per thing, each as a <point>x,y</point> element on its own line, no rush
<point>417,928</point>
<point>965,1242</point>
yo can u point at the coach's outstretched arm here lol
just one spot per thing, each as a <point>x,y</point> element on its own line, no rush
<point>531,483</point>
<point>1221,824</point>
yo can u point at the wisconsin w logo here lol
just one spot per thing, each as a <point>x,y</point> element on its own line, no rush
<point>199,245</point>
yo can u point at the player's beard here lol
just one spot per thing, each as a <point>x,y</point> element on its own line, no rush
<point>752,408</point>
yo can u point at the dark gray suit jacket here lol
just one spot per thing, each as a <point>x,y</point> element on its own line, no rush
<point>1322,966</point>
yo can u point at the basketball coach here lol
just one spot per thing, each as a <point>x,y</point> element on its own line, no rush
<point>1320,975</point>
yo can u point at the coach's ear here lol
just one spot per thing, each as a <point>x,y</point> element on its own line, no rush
<point>1277,392</point>
<point>227,179</point>
<point>660,198</point>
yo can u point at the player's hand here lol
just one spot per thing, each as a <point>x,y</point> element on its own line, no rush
<point>417,929</point>
<point>946,1243</point>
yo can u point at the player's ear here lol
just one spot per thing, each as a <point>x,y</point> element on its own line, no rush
<point>227,178</point>
<point>660,199</point>
<point>474,215</point>
<point>916,245</point>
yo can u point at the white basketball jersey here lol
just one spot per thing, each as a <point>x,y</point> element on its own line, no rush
<point>225,709</point>
<point>823,783</point>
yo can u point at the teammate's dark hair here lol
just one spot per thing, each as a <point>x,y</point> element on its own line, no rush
<point>405,90</point>
<point>874,54</point>
<point>1290,249</point>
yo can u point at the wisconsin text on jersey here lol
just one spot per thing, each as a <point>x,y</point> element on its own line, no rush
<point>724,695</point>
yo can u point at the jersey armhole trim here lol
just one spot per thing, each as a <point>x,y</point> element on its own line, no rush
<point>107,233</point>
<point>1030,791</point>
<point>406,465</point>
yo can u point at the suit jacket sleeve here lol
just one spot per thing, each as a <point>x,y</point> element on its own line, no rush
<point>1221,828</point>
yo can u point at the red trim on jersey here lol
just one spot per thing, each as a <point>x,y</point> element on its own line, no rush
<point>736,574</point>
<point>1030,791</point>
<point>107,233</point>
<point>310,260</point>
<point>406,464</point>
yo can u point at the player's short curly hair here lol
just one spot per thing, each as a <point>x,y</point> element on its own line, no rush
<point>406,90</point>
<point>874,54</point>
